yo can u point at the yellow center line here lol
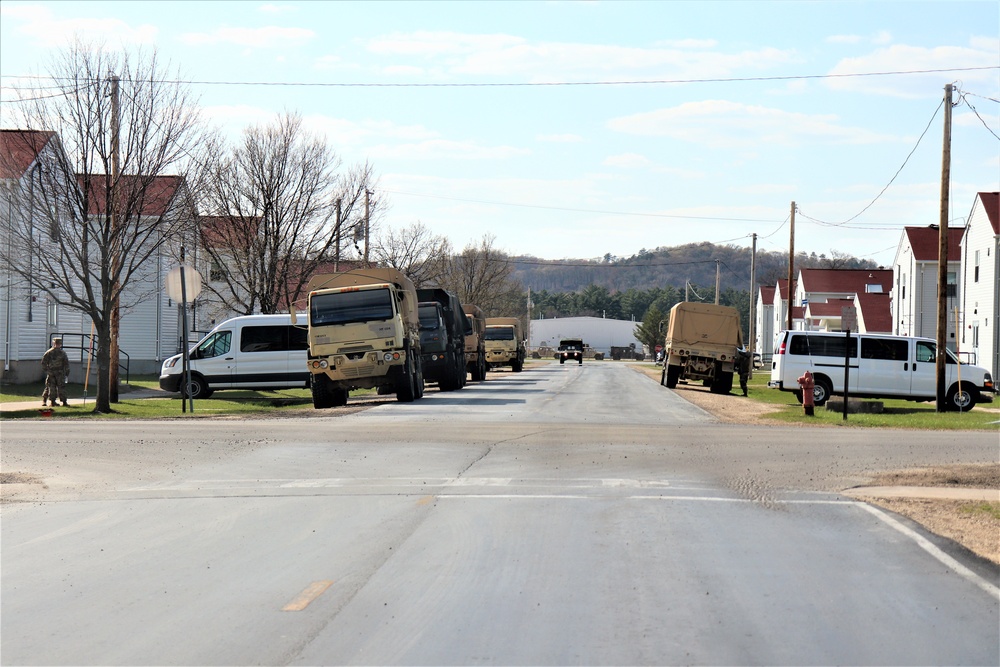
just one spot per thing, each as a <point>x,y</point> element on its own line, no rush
<point>311,592</point>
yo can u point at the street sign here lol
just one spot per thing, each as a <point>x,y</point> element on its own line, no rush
<point>192,284</point>
<point>849,318</point>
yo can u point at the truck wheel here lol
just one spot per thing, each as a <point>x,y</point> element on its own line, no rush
<point>516,365</point>
<point>961,398</point>
<point>322,392</point>
<point>673,375</point>
<point>562,361</point>
<point>339,397</point>
<point>197,388</point>
<point>406,391</point>
<point>822,390</point>
<point>723,383</point>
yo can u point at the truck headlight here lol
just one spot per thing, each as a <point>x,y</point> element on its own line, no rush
<point>390,356</point>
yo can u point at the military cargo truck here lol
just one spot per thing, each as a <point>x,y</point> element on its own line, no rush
<point>363,334</point>
<point>442,338</point>
<point>505,343</point>
<point>701,344</point>
<point>475,342</point>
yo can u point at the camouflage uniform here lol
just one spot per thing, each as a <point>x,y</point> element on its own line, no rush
<point>56,365</point>
<point>742,367</point>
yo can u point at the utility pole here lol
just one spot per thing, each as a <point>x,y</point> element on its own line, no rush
<point>367,227</point>
<point>336,256</point>
<point>751,328</point>
<point>791,265</point>
<point>718,264</point>
<point>116,240</point>
<point>942,287</point>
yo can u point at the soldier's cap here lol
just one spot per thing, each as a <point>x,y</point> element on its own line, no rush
<point>57,340</point>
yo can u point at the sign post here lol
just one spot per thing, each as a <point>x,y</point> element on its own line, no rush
<point>184,284</point>
<point>849,323</point>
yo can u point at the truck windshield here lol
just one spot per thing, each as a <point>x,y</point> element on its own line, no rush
<point>499,333</point>
<point>430,319</point>
<point>350,307</point>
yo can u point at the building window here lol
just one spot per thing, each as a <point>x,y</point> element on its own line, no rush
<point>52,315</point>
<point>975,270</point>
<point>951,289</point>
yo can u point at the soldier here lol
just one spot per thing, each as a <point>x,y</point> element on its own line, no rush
<point>742,367</point>
<point>56,365</point>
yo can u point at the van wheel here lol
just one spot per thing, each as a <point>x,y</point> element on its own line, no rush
<point>822,390</point>
<point>197,388</point>
<point>961,399</point>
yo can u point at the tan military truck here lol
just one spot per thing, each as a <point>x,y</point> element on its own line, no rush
<point>505,343</point>
<point>701,344</point>
<point>363,334</point>
<point>475,342</point>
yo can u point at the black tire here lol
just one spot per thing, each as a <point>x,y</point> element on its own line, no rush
<point>822,391</point>
<point>516,365</point>
<point>406,389</point>
<point>723,382</point>
<point>963,399</point>
<point>322,392</point>
<point>339,397</point>
<point>673,375</point>
<point>562,361</point>
<point>197,388</point>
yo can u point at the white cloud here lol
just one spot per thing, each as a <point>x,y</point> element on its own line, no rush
<point>560,138</point>
<point>882,37</point>
<point>628,161</point>
<point>843,39</point>
<point>724,124</point>
<point>903,58</point>
<point>40,24</point>
<point>266,37</point>
<point>444,149</point>
<point>500,55</point>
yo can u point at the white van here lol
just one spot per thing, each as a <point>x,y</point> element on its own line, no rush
<point>249,352</point>
<point>880,366</point>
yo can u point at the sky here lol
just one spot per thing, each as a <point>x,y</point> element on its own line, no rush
<point>581,129</point>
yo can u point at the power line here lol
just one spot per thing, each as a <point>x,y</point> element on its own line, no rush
<point>573,210</point>
<point>891,180</point>
<point>543,84</point>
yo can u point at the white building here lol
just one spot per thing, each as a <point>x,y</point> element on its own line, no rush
<point>915,279</point>
<point>600,334</point>
<point>980,271</point>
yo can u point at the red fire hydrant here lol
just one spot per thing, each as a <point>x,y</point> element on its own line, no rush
<point>806,384</point>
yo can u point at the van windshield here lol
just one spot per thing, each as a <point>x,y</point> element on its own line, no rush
<point>350,307</point>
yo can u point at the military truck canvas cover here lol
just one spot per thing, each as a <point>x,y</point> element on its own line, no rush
<point>694,324</point>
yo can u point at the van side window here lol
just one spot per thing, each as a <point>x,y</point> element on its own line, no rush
<point>215,345</point>
<point>822,345</point>
<point>886,349</point>
<point>264,339</point>
<point>298,338</point>
<point>926,352</point>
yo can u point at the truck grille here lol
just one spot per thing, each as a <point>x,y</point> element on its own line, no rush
<point>361,370</point>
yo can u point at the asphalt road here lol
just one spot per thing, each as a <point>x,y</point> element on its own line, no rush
<point>562,515</point>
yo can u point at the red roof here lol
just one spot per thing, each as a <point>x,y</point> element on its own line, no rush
<point>876,312</point>
<point>19,148</point>
<point>991,204</point>
<point>925,242</point>
<point>221,231</point>
<point>844,281</point>
<point>155,198</point>
<point>783,287</point>
<point>767,294</point>
<point>832,308</point>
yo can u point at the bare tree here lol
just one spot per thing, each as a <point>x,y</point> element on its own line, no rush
<point>482,275</point>
<point>415,251</point>
<point>98,208</point>
<point>279,212</point>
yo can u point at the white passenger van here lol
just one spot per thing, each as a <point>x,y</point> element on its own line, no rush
<point>880,366</point>
<point>249,352</point>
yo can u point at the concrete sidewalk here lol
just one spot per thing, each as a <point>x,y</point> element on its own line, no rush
<point>925,492</point>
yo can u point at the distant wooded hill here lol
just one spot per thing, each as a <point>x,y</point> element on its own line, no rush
<point>676,266</point>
